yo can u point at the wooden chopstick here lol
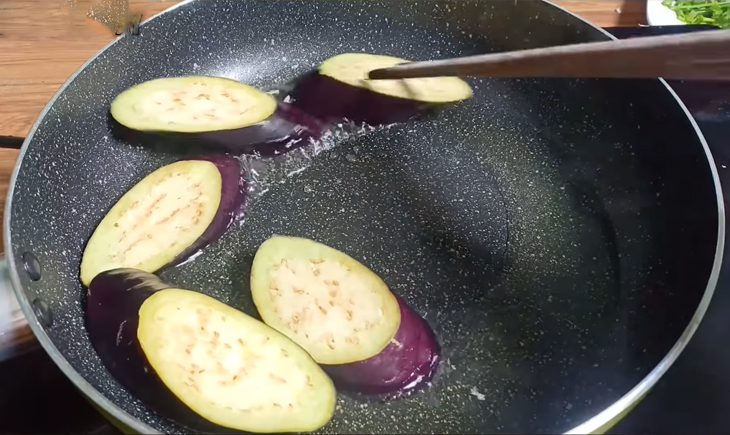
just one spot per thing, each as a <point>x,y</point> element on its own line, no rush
<point>701,55</point>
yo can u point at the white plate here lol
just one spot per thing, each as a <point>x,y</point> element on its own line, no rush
<point>659,15</point>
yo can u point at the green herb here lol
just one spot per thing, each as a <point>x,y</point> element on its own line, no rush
<point>712,12</point>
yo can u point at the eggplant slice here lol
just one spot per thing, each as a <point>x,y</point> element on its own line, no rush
<point>339,90</point>
<point>160,218</point>
<point>230,368</point>
<point>353,69</point>
<point>327,302</point>
<point>191,104</point>
<point>112,306</point>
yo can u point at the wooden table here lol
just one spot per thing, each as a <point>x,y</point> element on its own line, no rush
<point>42,42</point>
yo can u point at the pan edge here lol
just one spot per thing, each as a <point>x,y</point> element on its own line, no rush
<point>85,387</point>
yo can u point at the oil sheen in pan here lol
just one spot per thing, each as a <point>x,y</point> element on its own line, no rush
<point>451,229</point>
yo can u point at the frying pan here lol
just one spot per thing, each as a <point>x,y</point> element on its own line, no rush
<point>562,237</point>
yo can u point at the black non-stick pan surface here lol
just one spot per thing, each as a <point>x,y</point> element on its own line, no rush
<point>560,236</point>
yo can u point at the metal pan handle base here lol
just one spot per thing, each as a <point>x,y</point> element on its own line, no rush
<point>16,336</point>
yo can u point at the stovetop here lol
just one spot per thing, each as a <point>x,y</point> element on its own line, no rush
<point>693,397</point>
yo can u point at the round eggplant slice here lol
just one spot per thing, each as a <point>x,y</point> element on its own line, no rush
<point>167,215</point>
<point>327,302</point>
<point>230,368</point>
<point>353,69</point>
<point>191,104</point>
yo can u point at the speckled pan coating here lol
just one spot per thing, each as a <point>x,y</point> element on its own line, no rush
<point>556,234</point>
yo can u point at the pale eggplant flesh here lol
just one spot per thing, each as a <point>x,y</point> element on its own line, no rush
<point>326,301</point>
<point>367,338</point>
<point>165,217</point>
<point>287,129</point>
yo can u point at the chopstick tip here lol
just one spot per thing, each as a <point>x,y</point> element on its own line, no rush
<point>378,74</point>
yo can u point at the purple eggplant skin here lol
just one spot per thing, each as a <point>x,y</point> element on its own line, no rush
<point>287,129</point>
<point>406,365</point>
<point>333,101</point>
<point>113,300</point>
<point>233,196</point>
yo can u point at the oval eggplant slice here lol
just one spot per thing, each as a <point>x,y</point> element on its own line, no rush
<point>230,368</point>
<point>327,302</point>
<point>286,129</point>
<point>340,90</point>
<point>407,364</point>
<point>191,104</point>
<point>353,69</point>
<point>166,216</point>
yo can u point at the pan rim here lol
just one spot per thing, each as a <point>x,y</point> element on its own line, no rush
<point>597,423</point>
